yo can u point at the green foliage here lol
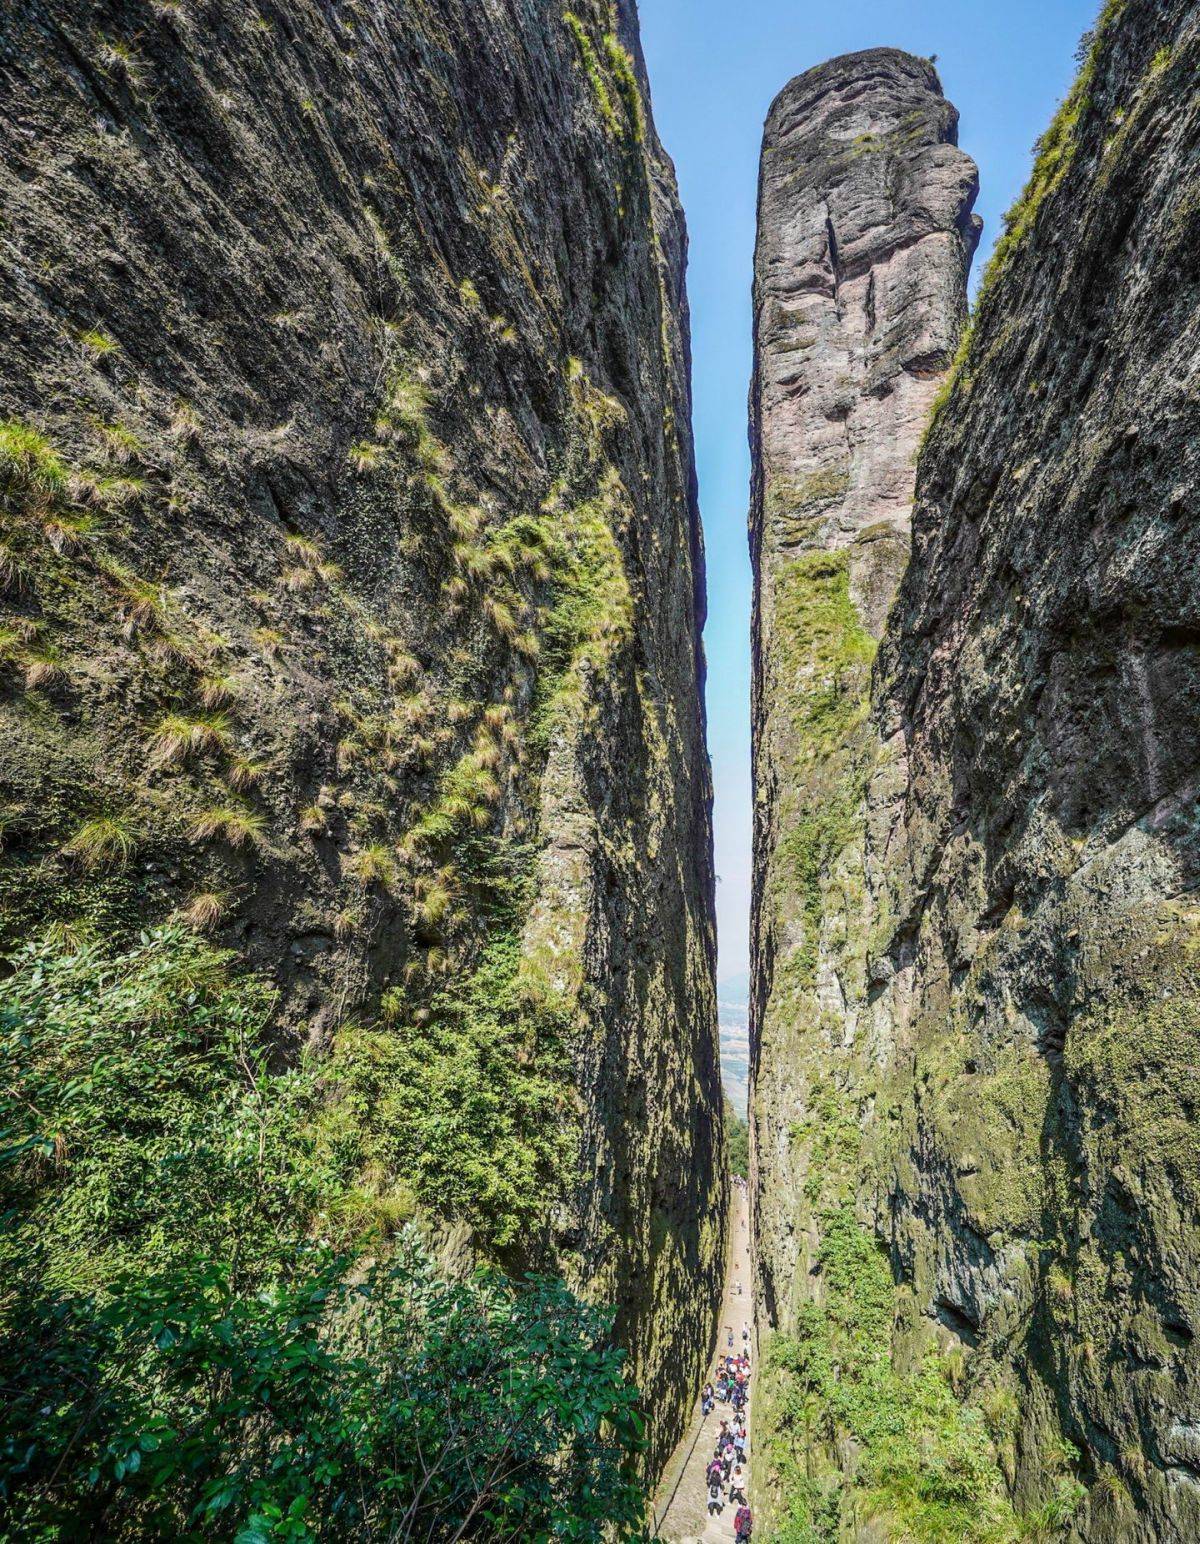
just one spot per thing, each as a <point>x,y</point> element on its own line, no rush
<point>180,1360</point>
<point>131,1089</point>
<point>834,1141</point>
<point>1137,1066</point>
<point>180,736</point>
<point>29,464</point>
<point>103,839</point>
<point>1054,153</point>
<point>236,824</point>
<point>396,1406</point>
<point>926,1468</point>
<point>96,343</point>
<point>955,377</point>
<point>627,84</point>
<point>473,1110</point>
<point>591,607</point>
<point>824,658</point>
<point>737,1142</point>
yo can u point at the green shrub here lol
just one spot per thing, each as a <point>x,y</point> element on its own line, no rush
<point>131,1088</point>
<point>926,1463</point>
<point>398,1406</point>
<point>183,1356</point>
<point>472,1111</point>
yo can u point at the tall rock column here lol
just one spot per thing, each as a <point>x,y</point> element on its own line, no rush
<point>865,235</point>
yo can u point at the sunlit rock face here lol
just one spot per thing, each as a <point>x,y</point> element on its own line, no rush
<point>864,240</point>
<point>360,335</point>
<point>865,235</point>
<point>991,973</point>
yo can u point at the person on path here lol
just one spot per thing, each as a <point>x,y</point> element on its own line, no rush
<point>706,1400</point>
<point>729,1327</point>
<point>743,1524</point>
<point>738,1481</point>
<point>716,1500</point>
<point>739,1443</point>
<point>745,1333</point>
<point>713,1474</point>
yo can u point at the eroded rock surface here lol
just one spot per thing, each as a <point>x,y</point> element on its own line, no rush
<point>865,237</point>
<point>1041,676</point>
<point>354,567</point>
<point>997,1012</point>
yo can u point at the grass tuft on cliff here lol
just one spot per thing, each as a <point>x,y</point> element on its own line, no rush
<point>824,658</point>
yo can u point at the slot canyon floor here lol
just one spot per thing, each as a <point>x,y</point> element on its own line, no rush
<point>681,1505</point>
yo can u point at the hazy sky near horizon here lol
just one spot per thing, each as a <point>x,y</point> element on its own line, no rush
<point>714,69</point>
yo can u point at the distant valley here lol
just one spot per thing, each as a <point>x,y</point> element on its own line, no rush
<point>733,1008</point>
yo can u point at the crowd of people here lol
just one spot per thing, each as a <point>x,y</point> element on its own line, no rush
<point>727,1474</point>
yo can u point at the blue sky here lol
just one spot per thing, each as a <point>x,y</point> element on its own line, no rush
<point>715,66</point>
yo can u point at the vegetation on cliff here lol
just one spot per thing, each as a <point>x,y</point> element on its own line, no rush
<point>995,1046</point>
<point>352,750</point>
<point>214,1322</point>
<point>925,1467</point>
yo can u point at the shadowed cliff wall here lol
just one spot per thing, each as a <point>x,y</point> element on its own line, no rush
<point>354,576</point>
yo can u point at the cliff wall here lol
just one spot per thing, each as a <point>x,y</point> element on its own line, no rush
<point>865,234</point>
<point>991,1062</point>
<point>354,582</point>
<point>1036,978</point>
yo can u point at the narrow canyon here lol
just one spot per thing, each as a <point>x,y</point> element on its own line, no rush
<point>364,1164</point>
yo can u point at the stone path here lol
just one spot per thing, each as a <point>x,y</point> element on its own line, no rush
<point>681,1506</point>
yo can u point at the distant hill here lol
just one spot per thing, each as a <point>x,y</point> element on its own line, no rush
<point>733,1008</point>
<point>735,989</point>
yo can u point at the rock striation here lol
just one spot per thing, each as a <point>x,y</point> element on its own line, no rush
<point>999,1023</point>
<point>354,573</point>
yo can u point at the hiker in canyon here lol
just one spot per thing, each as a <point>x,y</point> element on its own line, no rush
<point>718,1446</point>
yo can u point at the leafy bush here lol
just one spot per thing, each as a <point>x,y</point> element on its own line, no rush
<point>927,1465</point>
<point>397,1406</point>
<point>182,1353</point>
<point>471,1110</point>
<point>139,1116</point>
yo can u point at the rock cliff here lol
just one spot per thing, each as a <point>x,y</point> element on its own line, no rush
<point>991,1040</point>
<point>353,583</point>
<point>864,238</point>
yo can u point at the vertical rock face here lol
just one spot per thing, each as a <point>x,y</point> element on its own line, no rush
<point>1038,986</point>
<point>992,1040</point>
<point>355,576</point>
<point>864,240</point>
